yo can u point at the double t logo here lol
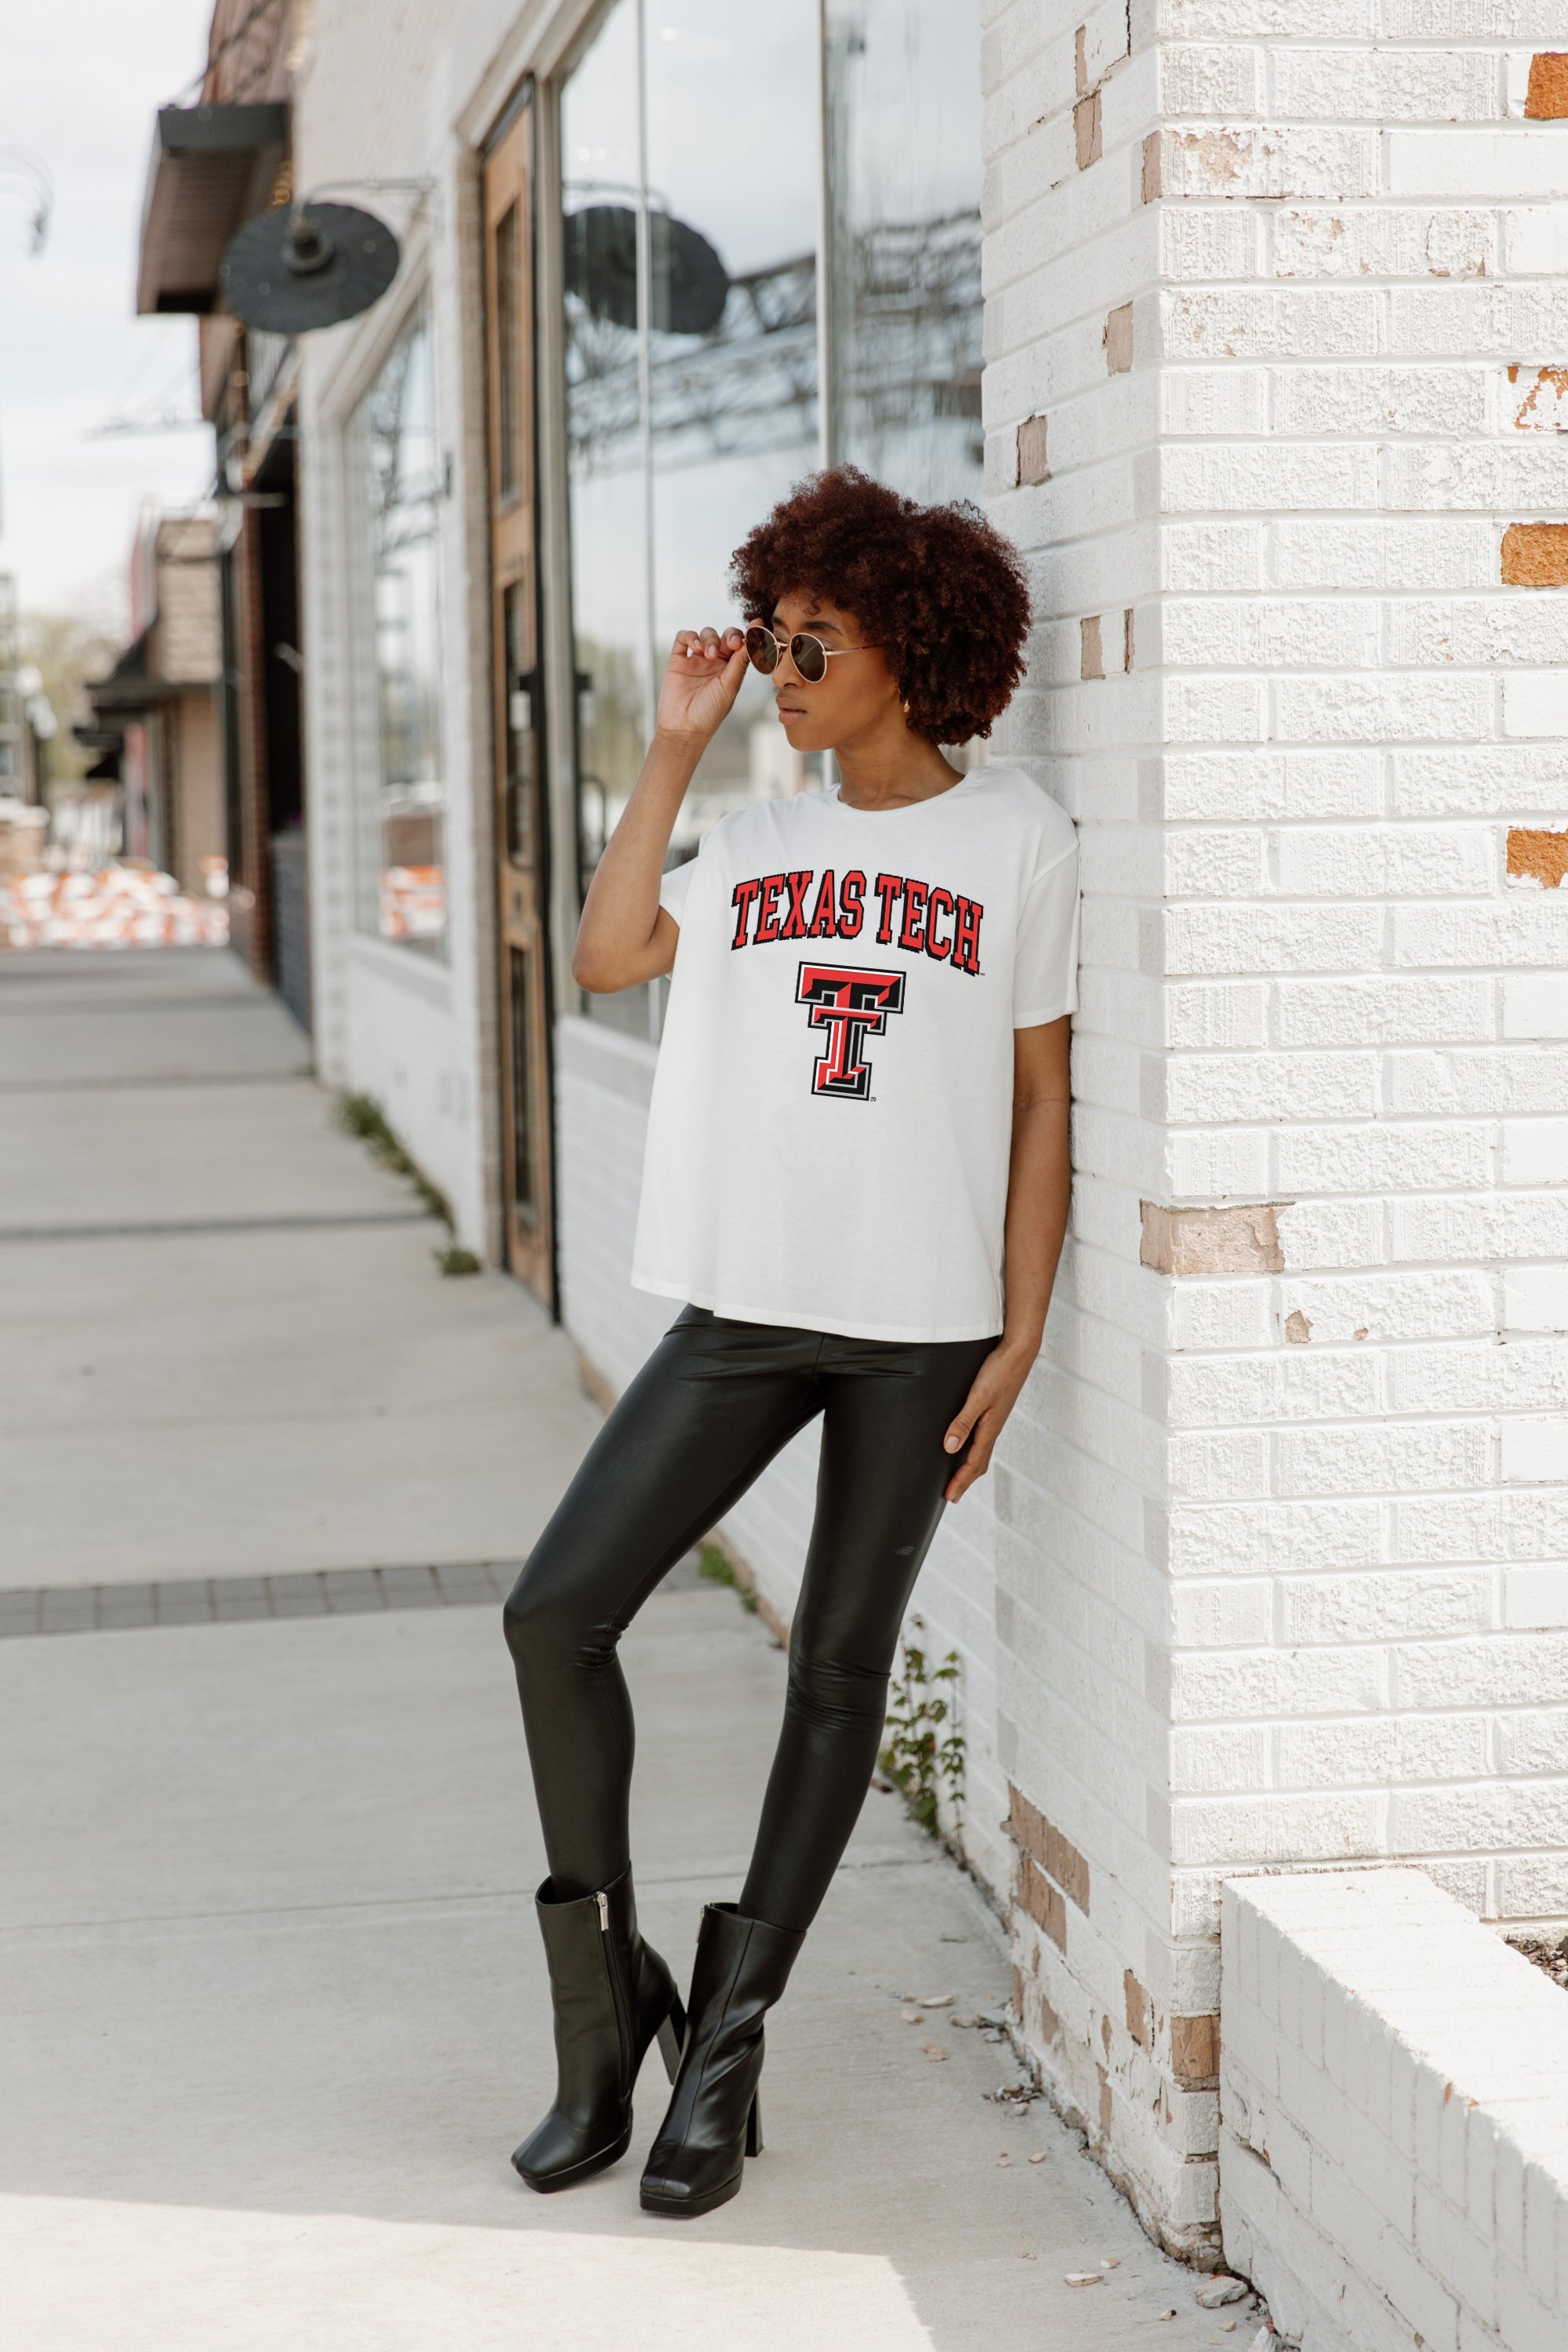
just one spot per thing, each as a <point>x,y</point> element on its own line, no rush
<point>851,1004</point>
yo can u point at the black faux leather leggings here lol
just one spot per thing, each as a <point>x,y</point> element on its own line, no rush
<point>711,1408</point>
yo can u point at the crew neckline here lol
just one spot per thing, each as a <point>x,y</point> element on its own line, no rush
<point>910,808</point>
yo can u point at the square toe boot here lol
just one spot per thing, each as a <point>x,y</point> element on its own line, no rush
<point>712,2124</point>
<point>611,1994</point>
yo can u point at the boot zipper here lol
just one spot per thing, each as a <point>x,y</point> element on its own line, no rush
<point>623,2031</point>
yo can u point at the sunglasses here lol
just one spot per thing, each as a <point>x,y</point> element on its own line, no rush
<point>809,655</point>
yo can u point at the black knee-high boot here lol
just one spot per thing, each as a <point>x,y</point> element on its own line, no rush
<point>713,2124</point>
<point>612,1995</point>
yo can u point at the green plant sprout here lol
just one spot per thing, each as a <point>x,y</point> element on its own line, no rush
<point>362,1116</point>
<point>455,1259</point>
<point>924,1761</point>
<point>713,1564</point>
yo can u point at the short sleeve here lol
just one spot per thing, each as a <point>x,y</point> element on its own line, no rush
<point>674,887</point>
<point>1045,967</point>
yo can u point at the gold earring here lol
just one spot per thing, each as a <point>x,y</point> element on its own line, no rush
<point>905,708</point>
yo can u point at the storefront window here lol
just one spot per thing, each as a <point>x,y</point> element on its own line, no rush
<point>403,894</point>
<point>695,169</point>
<point>733,361</point>
<point>904,182</point>
<point>691,171</point>
<point>601,145</point>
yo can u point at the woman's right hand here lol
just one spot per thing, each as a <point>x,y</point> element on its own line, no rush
<point>701,680</point>
<point>625,936</point>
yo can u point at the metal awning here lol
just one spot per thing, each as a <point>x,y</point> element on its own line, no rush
<point>212,167</point>
<point>132,686</point>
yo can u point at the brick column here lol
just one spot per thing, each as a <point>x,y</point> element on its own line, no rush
<point>1274,398</point>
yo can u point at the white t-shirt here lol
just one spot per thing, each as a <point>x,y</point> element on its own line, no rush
<point>832,1111</point>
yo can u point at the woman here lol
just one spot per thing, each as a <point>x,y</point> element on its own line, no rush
<point>857,1179</point>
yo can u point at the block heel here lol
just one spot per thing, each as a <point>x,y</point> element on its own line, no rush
<point>671,2034</point>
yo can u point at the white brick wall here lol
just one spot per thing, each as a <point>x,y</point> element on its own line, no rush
<point>374,100</point>
<point>1280,1551</point>
<point>1394,2107</point>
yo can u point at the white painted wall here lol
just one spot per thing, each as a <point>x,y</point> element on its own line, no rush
<point>415,1031</point>
<point>1393,2162</point>
<point>1281,1578</point>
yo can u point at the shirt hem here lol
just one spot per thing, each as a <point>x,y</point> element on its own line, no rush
<point>733,1310</point>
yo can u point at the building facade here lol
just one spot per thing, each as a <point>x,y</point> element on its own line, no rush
<point>1254,340</point>
<point>215,163</point>
<point>159,712</point>
<point>28,721</point>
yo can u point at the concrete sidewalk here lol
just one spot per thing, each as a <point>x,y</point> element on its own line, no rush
<point>225,1345</point>
<point>275,1998</point>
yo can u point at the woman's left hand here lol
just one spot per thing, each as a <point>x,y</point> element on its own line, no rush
<point>996,1391</point>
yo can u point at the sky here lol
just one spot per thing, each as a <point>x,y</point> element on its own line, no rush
<point>82,80</point>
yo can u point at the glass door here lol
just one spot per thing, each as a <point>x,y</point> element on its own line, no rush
<point>521,830</point>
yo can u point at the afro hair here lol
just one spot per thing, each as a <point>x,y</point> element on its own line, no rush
<point>936,586</point>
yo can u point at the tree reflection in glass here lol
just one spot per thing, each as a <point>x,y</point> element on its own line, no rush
<point>904,182</point>
<point>693,171</point>
<point>602,172</point>
<point>733,404</point>
<point>691,367</point>
<point>403,472</point>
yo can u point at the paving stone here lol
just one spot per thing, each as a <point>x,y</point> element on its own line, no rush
<point>351,1589</point>
<point>237,1599</point>
<point>118,1611</point>
<point>467,1586</point>
<point>70,1610</point>
<point>411,1588</point>
<point>184,1603</point>
<point>296,1596</point>
<point>130,1595</point>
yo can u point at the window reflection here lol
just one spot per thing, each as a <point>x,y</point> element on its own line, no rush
<point>509,264</point>
<point>734,419</point>
<point>402,476</point>
<point>602,172</point>
<point>694,160</point>
<point>904,183</point>
<point>691,270</point>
